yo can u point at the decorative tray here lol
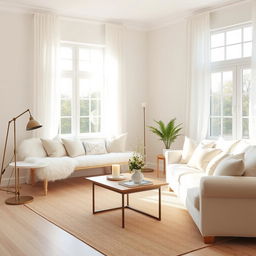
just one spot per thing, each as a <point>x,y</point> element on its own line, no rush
<point>121,177</point>
<point>131,184</point>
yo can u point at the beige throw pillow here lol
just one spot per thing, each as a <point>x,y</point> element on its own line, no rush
<point>241,147</point>
<point>74,147</point>
<point>202,156</point>
<point>94,148</point>
<point>231,166</point>
<point>189,147</point>
<point>117,143</point>
<point>53,148</point>
<point>214,162</point>
<point>226,145</point>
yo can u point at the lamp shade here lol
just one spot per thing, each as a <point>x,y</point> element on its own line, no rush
<point>32,124</point>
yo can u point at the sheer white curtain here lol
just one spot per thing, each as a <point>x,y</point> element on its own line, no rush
<point>45,93</point>
<point>198,107</point>
<point>252,106</point>
<point>114,92</point>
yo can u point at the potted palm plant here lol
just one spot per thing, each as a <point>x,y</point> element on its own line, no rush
<point>167,133</point>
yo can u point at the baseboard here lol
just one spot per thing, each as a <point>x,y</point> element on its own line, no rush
<point>11,181</point>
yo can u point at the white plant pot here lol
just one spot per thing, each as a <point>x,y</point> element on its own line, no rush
<point>165,150</point>
<point>137,176</point>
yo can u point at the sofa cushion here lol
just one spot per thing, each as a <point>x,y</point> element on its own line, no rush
<point>241,147</point>
<point>54,148</point>
<point>189,147</point>
<point>231,166</point>
<point>94,148</point>
<point>74,147</point>
<point>214,162</point>
<point>250,162</point>
<point>98,160</point>
<point>202,156</point>
<point>117,143</point>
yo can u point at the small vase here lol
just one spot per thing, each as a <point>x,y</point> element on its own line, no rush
<point>137,176</point>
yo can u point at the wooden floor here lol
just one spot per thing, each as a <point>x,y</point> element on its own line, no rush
<point>23,232</point>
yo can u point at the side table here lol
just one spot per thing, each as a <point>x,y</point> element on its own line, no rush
<point>18,199</point>
<point>160,157</point>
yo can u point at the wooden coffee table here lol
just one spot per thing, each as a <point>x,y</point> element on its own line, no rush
<point>103,182</point>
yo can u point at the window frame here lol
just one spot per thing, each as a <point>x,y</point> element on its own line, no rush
<point>75,74</point>
<point>236,66</point>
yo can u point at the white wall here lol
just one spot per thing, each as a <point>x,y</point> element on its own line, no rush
<point>16,73</point>
<point>167,81</point>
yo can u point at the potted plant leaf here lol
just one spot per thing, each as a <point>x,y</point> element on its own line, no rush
<point>167,133</point>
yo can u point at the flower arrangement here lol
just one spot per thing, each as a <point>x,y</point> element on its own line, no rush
<point>136,162</point>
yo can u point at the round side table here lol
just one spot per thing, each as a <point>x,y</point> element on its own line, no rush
<point>18,199</point>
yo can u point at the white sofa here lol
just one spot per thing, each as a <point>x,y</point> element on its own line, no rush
<point>32,150</point>
<point>219,205</point>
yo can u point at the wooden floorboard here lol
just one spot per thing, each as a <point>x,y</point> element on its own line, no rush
<point>23,232</point>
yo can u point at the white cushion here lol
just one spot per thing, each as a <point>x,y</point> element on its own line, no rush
<point>94,148</point>
<point>214,162</point>
<point>231,166</point>
<point>226,145</point>
<point>53,148</point>
<point>110,158</point>
<point>202,156</point>
<point>240,147</point>
<point>250,162</point>
<point>189,147</point>
<point>117,143</point>
<point>73,147</point>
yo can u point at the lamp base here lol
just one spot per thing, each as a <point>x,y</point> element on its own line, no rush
<point>19,200</point>
<point>146,169</point>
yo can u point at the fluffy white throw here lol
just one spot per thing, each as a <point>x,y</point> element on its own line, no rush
<point>58,167</point>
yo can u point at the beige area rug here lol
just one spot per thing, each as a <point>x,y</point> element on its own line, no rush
<point>69,206</point>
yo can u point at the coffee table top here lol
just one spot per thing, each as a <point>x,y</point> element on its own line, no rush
<point>113,185</point>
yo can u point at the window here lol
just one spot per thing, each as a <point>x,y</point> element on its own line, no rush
<point>231,50</point>
<point>82,74</point>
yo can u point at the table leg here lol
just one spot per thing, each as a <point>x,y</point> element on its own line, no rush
<point>123,225</point>
<point>127,199</point>
<point>32,176</point>
<point>93,198</point>
<point>164,166</point>
<point>159,204</point>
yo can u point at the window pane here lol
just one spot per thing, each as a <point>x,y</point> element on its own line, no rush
<point>95,107</point>
<point>217,40</point>
<point>65,107</point>
<point>215,127</point>
<point>227,105</point>
<point>217,54</point>
<point>245,104</point>
<point>66,52</point>
<point>66,65</point>
<point>247,49</point>
<point>248,34</point>
<point>234,36</point>
<point>233,52</point>
<point>95,124</point>
<point>66,88</point>
<point>216,83</point>
<point>65,125</point>
<point>246,80</point>
<point>85,66</point>
<point>245,128</point>
<point>215,105</point>
<point>84,125</point>
<point>84,88</point>
<point>227,127</point>
<point>228,82</point>
<point>84,54</point>
<point>84,107</point>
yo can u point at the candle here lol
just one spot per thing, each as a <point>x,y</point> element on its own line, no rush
<point>115,170</point>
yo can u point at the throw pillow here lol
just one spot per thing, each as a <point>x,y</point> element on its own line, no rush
<point>74,147</point>
<point>189,147</point>
<point>95,148</point>
<point>240,147</point>
<point>117,143</point>
<point>214,162</point>
<point>202,156</point>
<point>53,148</point>
<point>231,166</point>
<point>226,145</point>
<point>250,162</point>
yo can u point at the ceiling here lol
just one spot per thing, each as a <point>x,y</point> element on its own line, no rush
<point>143,13</point>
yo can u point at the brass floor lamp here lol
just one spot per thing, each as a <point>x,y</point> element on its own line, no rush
<point>31,125</point>
<point>145,169</point>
